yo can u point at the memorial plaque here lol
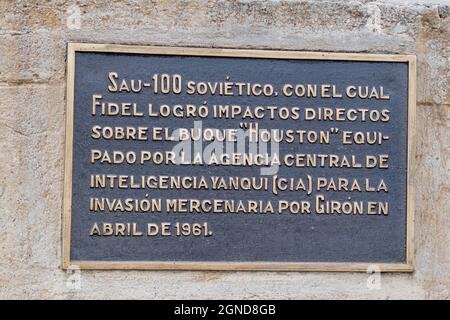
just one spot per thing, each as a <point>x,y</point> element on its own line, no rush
<point>221,159</point>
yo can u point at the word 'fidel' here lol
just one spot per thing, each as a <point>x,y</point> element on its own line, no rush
<point>219,111</point>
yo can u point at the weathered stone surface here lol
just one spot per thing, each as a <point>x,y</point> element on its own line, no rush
<point>33,39</point>
<point>31,58</point>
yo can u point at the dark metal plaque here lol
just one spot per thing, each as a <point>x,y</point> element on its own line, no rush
<point>215,159</point>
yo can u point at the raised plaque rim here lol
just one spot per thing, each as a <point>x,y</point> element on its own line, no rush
<point>72,48</point>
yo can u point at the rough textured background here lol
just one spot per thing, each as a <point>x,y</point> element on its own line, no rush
<point>33,37</point>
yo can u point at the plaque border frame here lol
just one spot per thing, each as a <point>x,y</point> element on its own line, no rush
<point>67,263</point>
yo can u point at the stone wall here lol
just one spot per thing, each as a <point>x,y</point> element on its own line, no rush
<point>33,39</point>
